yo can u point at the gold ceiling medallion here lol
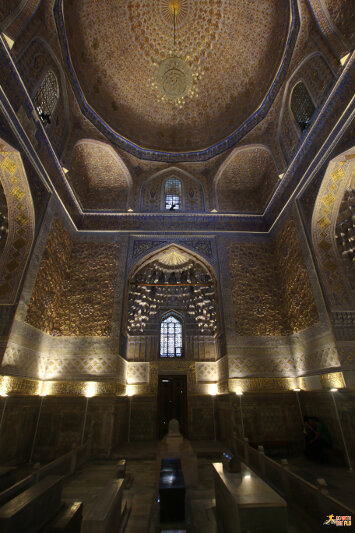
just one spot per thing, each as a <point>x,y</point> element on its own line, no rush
<point>175,77</point>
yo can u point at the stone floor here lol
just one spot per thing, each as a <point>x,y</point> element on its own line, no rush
<point>142,492</point>
<point>86,484</point>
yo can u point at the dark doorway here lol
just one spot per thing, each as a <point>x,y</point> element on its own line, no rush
<point>172,403</point>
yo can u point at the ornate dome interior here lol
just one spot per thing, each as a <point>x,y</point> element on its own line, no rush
<point>177,241</point>
<point>229,54</point>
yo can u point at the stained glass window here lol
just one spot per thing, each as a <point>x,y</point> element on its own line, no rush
<point>302,106</point>
<point>47,96</point>
<point>171,337</point>
<point>172,194</point>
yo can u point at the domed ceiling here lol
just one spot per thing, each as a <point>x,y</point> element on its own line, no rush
<point>229,53</point>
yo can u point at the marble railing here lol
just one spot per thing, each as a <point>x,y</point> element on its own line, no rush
<point>311,501</point>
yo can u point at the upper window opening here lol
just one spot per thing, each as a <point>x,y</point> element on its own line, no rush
<point>47,97</point>
<point>172,194</point>
<point>171,337</point>
<point>302,106</point>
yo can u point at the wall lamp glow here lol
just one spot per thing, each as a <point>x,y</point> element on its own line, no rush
<point>344,59</point>
<point>334,390</point>
<point>297,390</point>
<point>213,389</point>
<point>90,389</point>
<point>239,393</point>
<point>10,42</point>
<point>130,390</point>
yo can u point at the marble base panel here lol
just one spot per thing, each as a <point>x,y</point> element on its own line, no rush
<point>104,514</point>
<point>245,503</point>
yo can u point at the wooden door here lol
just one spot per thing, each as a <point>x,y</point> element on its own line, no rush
<point>172,403</point>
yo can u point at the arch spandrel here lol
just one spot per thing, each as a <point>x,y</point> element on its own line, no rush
<point>21,223</point>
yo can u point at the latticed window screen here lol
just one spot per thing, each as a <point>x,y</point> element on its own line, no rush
<point>172,194</point>
<point>302,106</point>
<point>47,94</point>
<point>171,337</point>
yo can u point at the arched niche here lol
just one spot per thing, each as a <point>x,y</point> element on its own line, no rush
<point>99,177</point>
<point>245,180</point>
<point>153,191</point>
<point>332,223</point>
<point>34,65</point>
<point>172,280</point>
<point>315,74</point>
<point>20,222</point>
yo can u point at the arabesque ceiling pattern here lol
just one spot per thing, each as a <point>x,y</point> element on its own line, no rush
<point>232,49</point>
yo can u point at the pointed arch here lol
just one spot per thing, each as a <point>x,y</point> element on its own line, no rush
<point>21,223</point>
<point>339,178</point>
<point>153,191</point>
<point>36,60</point>
<point>245,180</point>
<point>317,75</point>
<point>99,176</point>
<point>172,281</point>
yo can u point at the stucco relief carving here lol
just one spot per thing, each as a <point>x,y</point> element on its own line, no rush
<point>61,303</point>
<point>271,288</point>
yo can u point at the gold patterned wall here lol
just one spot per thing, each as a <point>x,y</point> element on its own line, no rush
<point>257,300</point>
<point>271,288</point>
<point>294,279</point>
<point>74,289</point>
